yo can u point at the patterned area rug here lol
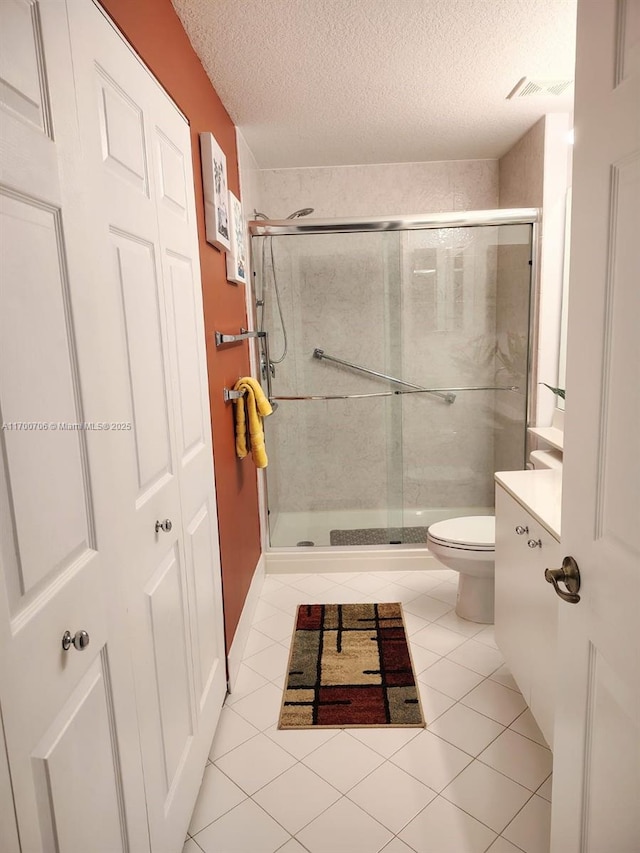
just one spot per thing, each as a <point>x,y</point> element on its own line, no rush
<point>378,536</point>
<point>350,665</point>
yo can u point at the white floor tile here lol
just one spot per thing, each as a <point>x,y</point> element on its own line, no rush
<point>368,583</point>
<point>271,663</point>
<point>396,592</point>
<point>296,797</point>
<point>231,732</point>
<point>504,677</point>
<point>519,758</point>
<point>444,828</point>
<point>431,760</point>
<point>343,577</point>
<point>397,846</point>
<point>427,608</point>
<point>262,707</point>
<point>285,598</point>
<point>257,641</point>
<point>314,583</point>
<point>373,795</point>
<point>413,623</point>
<point>447,591</point>
<point>218,795</point>
<point>343,761</point>
<point>466,729</point>
<point>420,581</point>
<point>255,763</point>
<point>246,682</point>
<point>437,639</point>
<point>477,656</point>
<point>454,622</point>
<point>342,594</point>
<point>495,701</point>
<point>531,828</point>
<point>385,741</point>
<point>263,611</point>
<point>300,742</point>
<point>421,658</point>
<point>500,845</point>
<point>245,828</point>
<point>545,789</point>
<point>486,795</point>
<point>487,636</point>
<point>292,846</point>
<point>344,827</point>
<point>450,678</point>
<point>434,703</point>
<point>278,627</point>
<point>525,725</point>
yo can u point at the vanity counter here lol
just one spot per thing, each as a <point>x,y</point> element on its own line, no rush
<point>539,492</point>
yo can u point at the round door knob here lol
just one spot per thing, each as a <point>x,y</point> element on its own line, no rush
<point>80,640</point>
<point>535,543</point>
<point>165,525</point>
<point>520,530</point>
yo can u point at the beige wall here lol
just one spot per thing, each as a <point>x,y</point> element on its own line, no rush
<point>521,170</point>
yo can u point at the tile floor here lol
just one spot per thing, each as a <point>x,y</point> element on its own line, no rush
<point>477,779</point>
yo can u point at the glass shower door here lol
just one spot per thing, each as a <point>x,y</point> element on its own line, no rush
<point>335,474</point>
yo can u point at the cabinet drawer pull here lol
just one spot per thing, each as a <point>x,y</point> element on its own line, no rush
<point>535,543</point>
<point>520,530</point>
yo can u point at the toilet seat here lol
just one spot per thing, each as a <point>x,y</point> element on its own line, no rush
<point>471,533</point>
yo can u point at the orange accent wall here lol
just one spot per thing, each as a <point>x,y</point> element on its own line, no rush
<point>154,30</point>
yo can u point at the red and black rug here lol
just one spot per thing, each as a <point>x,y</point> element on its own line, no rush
<point>350,665</point>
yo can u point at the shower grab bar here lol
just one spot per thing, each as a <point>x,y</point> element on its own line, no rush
<point>320,354</point>
<point>244,335</point>
<point>401,393</point>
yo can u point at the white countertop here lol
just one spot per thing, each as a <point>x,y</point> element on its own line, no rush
<point>539,492</point>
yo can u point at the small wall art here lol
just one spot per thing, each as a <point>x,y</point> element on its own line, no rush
<point>216,195</point>
<point>237,262</point>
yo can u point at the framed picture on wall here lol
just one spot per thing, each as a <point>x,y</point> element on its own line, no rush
<point>237,258</point>
<point>216,195</point>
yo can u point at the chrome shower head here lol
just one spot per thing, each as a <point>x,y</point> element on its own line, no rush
<point>304,211</point>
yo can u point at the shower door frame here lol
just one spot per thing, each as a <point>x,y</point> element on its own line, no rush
<point>459,219</point>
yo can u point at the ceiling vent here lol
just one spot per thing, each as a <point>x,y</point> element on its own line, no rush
<point>527,88</point>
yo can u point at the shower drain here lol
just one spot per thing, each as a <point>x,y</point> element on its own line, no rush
<point>304,543</point>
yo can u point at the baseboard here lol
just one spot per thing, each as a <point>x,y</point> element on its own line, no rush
<point>365,559</point>
<point>236,652</point>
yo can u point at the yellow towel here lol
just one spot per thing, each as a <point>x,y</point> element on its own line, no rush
<point>251,407</point>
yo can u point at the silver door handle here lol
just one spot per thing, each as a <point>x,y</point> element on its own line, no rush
<point>165,525</point>
<point>569,575</point>
<point>80,640</point>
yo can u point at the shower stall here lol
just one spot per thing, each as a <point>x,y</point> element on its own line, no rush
<point>399,358</point>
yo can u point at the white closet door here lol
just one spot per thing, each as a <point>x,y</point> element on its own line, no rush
<point>138,149</point>
<point>71,776</point>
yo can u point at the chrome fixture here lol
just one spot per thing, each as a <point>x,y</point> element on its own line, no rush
<point>569,575</point>
<point>165,525</point>
<point>535,543</point>
<point>320,354</point>
<point>244,335</point>
<point>297,214</point>
<point>439,391</point>
<point>478,218</point>
<point>520,530</point>
<point>80,640</point>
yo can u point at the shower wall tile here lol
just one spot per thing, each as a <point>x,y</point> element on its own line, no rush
<point>381,190</point>
<point>521,170</point>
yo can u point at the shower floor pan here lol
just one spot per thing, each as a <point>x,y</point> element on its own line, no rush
<point>353,528</point>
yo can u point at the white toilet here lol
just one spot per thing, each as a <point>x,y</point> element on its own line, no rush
<point>468,545</point>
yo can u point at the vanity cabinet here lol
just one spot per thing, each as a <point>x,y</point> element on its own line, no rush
<point>526,607</point>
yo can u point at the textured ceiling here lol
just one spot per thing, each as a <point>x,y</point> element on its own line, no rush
<point>329,82</point>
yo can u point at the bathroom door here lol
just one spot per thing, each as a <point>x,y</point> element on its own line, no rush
<point>596,789</point>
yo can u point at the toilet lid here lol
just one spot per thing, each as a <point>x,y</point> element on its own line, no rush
<point>474,531</point>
